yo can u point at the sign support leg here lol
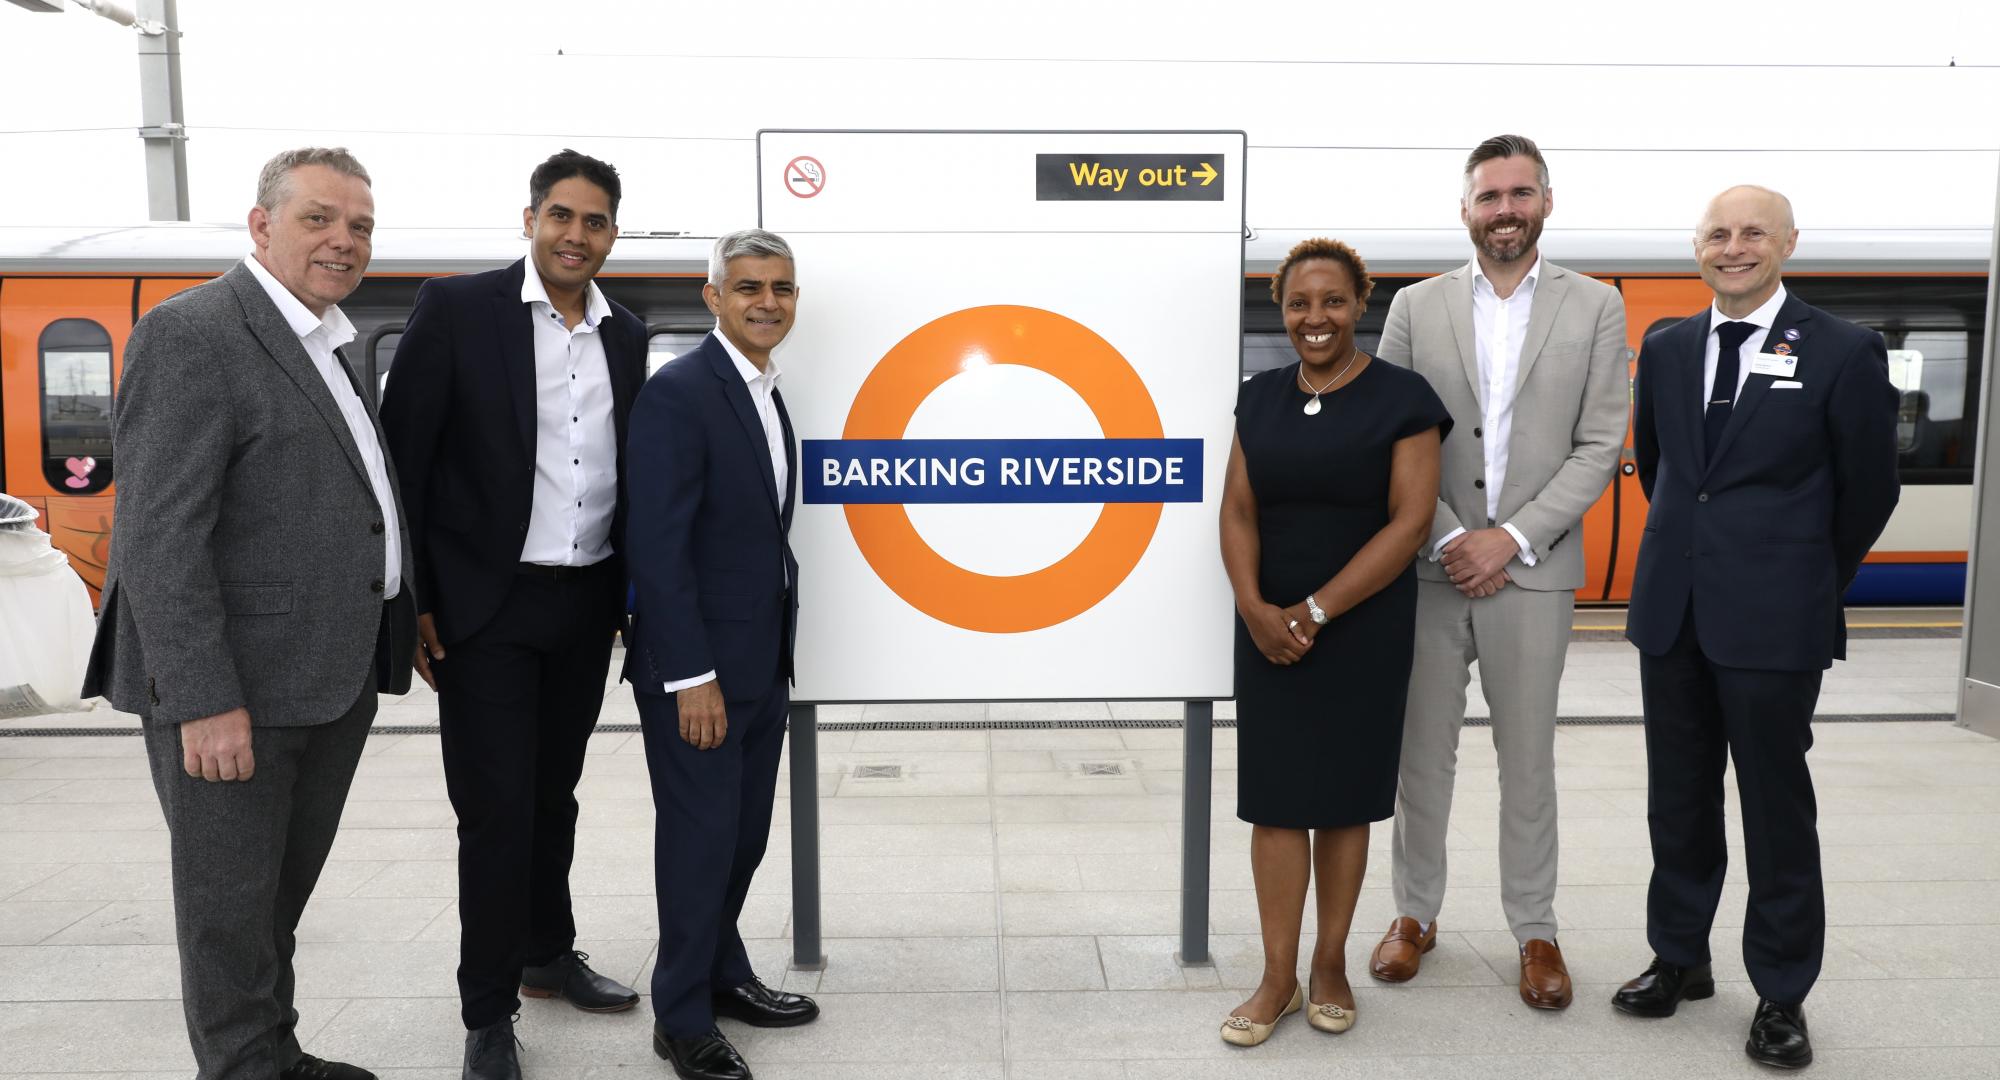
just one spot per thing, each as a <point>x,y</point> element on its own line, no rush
<point>1198,749</point>
<point>806,955</point>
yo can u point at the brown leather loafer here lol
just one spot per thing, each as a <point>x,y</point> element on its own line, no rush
<point>1544,977</point>
<point>1402,950</point>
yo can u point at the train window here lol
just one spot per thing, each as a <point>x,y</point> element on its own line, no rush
<point>76,406</point>
<point>664,345</point>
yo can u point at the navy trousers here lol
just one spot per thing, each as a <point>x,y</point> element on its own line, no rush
<point>712,821</point>
<point>1699,714</point>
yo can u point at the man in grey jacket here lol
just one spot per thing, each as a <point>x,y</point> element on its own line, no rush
<point>1530,359</point>
<point>253,605</point>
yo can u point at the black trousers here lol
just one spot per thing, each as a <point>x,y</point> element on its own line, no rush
<point>246,856</point>
<point>517,702</point>
<point>712,821</point>
<point>1697,712</point>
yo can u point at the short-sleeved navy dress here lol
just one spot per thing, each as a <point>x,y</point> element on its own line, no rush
<point>1318,741</point>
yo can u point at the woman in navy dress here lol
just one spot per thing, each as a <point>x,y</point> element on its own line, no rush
<point>1332,480</point>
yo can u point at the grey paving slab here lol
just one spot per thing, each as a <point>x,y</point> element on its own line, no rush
<point>24,922</point>
<point>71,1037</point>
<point>954,1027</point>
<point>910,965</point>
<point>16,791</point>
<point>872,915</point>
<point>89,972</point>
<point>17,877</point>
<point>1053,963</point>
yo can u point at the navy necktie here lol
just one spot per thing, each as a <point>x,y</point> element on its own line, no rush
<point>1722,399</point>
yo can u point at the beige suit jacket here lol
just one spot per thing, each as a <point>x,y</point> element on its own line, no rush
<point>1571,405</point>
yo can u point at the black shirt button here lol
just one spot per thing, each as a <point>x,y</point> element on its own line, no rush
<point>1478,433</point>
<point>1479,483</point>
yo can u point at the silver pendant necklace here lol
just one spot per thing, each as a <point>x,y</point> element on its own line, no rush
<point>1312,407</point>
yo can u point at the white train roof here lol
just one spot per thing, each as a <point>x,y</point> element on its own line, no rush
<point>188,248</point>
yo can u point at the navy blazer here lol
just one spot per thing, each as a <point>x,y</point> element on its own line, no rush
<point>1764,538</point>
<point>459,412</point>
<point>708,540</point>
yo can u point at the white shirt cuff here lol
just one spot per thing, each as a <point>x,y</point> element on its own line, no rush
<point>1527,549</point>
<point>682,684</point>
<point>1437,550</point>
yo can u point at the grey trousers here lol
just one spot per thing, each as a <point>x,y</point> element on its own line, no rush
<point>1520,639</point>
<point>245,858</point>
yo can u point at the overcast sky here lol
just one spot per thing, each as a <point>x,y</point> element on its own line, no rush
<point>1358,114</point>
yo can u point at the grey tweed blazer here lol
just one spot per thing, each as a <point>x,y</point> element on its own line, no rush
<point>246,563</point>
<point>1570,408</point>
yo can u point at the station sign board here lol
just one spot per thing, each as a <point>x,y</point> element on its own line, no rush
<point>1012,384</point>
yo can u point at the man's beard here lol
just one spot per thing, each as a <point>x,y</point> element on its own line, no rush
<point>1508,249</point>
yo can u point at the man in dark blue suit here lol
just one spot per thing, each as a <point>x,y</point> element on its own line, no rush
<point>506,412</point>
<point>710,660</point>
<point>1766,439</point>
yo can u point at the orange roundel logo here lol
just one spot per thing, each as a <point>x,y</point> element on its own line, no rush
<point>1088,365</point>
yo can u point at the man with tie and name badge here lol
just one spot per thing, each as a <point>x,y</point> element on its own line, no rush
<point>1766,438</point>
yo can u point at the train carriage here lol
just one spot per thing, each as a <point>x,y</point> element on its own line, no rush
<point>69,298</point>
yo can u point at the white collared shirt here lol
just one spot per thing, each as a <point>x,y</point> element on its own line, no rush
<point>320,335</point>
<point>1500,328</point>
<point>576,440</point>
<point>1761,319</point>
<point>763,386</point>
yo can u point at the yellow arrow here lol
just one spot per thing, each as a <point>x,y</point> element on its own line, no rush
<point>1206,173</point>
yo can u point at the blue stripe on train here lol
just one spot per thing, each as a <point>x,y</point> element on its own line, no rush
<point>1918,584</point>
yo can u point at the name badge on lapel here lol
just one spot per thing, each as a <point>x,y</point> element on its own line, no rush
<point>1773,364</point>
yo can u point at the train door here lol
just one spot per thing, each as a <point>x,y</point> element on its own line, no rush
<point>1615,524</point>
<point>62,341</point>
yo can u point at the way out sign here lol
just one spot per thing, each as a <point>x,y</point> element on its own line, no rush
<point>1131,177</point>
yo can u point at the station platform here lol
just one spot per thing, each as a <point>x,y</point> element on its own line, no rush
<point>1001,900</point>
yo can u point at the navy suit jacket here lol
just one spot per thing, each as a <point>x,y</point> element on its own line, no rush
<point>459,412</point>
<point>708,540</point>
<point>1764,537</point>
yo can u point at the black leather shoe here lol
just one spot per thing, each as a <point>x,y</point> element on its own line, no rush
<point>308,1067</point>
<point>760,1006</point>
<point>489,1053</point>
<point>1778,1036</point>
<point>704,1057</point>
<point>1662,988</point>
<point>569,978</point>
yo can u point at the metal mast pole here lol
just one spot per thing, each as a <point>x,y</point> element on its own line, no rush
<point>164,126</point>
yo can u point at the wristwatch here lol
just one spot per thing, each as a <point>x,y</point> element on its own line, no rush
<point>1318,614</point>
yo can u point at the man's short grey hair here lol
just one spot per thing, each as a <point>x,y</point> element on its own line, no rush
<point>274,184</point>
<point>1506,146</point>
<point>752,242</point>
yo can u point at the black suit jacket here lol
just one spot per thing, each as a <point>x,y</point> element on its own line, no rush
<point>459,410</point>
<point>1764,537</point>
<point>708,540</point>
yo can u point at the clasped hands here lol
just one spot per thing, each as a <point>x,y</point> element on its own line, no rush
<point>1476,561</point>
<point>1283,635</point>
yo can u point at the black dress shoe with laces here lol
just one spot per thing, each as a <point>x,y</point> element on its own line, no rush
<point>760,1006</point>
<point>569,978</point>
<point>308,1067</point>
<point>1778,1036</point>
<point>704,1057</point>
<point>490,1053</point>
<point>1662,988</point>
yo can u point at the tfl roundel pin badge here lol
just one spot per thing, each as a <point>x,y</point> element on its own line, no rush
<point>1792,334</point>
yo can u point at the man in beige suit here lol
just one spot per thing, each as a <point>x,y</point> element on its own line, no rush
<point>1530,359</point>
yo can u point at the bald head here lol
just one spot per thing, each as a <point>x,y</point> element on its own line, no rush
<point>1741,245</point>
<point>1751,199</point>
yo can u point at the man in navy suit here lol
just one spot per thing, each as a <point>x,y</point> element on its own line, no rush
<point>1766,438</point>
<point>506,411</point>
<point>710,659</point>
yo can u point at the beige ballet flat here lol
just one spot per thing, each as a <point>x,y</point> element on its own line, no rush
<point>1243,1031</point>
<point>1330,1018</point>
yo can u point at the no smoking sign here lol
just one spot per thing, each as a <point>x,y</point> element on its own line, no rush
<point>805,177</point>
